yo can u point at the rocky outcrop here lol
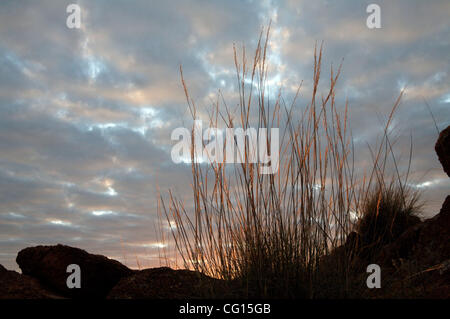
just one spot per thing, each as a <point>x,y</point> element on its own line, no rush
<point>46,266</point>
<point>442,148</point>
<point>17,286</point>
<point>49,264</point>
<point>417,264</point>
<point>428,241</point>
<point>166,283</point>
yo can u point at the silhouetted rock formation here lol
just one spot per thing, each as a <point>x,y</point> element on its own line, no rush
<point>428,241</point>
<point>49,264</point>
<point>166,283</point>
<point>16,286</point>
<point>442,148</point>
<point>416,264</point>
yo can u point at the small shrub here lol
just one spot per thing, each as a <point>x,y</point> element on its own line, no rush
<point>387,211</point>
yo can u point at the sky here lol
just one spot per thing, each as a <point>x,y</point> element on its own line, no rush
<point>86,114</point>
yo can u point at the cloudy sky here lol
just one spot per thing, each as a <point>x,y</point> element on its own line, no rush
<point>86,114</point>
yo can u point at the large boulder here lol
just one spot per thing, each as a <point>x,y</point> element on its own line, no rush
<point>49,264</point>
<point>17,286</point>
<point>166,283</point>
<point>442,148</point>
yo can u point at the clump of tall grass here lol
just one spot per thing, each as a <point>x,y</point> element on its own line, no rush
<point>268,233</point>
<point>387,211</point>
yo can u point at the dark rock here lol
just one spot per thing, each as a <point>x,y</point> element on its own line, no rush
<point>444,213</point>
<point>49,264</point>
<point>402,247</point>
<point>435,235</point>
<point>16,286</point>
<point>428,241</point>
<point>442,148</point>
<point>166,283</point>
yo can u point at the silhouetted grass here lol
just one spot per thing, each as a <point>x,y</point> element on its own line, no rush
<point>388,210</point>
<point>268,233</point>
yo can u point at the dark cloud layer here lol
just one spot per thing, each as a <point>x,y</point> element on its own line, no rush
<point>86,115</point>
